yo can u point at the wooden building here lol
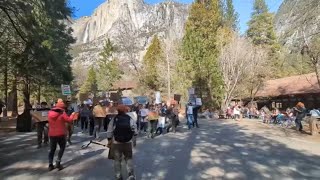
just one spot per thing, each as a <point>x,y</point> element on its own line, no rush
<point>287,92</point>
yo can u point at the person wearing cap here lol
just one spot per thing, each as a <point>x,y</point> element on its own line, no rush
<point>99,114</point>
<point>57,118</point>
<point>121,134</point>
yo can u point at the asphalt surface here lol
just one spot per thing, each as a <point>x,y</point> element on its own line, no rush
<point>216,150</point>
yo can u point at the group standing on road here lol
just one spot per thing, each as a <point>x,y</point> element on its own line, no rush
<point>122,129</point>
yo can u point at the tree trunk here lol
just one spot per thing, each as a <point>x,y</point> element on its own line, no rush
<point>5,83</point>
<point>14,97</point>
<point>26,95</point>
<point>317,70</point>
<point>39,94</point>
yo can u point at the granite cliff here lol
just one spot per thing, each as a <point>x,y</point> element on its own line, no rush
<point>297,19</point>
<point>131,25</point>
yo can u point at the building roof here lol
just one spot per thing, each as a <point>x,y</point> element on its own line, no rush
<point>293,85</point>
<point>125,85</point>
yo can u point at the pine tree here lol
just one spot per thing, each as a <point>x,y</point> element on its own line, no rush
<point>261,27</point>
<point>90,86</point>
<point>108,67</point>
<point>231,17</point>
<point>200,49</point>
<point>260,7</point>
<point>152,58</point>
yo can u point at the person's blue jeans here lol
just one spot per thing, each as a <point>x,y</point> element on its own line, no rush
<point>190,120</point>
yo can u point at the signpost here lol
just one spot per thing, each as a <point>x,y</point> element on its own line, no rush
<point>66,90</point>
<point>191,91</point>
<point>158,97</point>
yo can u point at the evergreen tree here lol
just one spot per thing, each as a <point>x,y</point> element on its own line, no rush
<point>200,49</point>
<point>259,7</point>
<point>154,56</point>
<point>261,27</point>
<point>40,42</point>
<point>231,17</point>
<point>90,86</point>
<point>108,67</point>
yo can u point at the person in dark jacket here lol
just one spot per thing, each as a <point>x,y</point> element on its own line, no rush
<point>195,116</point>
<point>84,117</point>
<point>173,116</point>
<point>300,112</point>
<point>121,134</point>
<point>57,118</point>
<point>42,129</point>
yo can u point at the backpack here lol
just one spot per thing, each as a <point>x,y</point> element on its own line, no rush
<point>122,129</point>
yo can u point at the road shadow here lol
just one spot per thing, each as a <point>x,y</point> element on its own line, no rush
<point>216,150</point>
<point>220,150</point>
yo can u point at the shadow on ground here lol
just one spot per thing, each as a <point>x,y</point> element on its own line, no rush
<point>217,150</point>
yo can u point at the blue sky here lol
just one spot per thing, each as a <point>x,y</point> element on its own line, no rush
<point>243,7</point>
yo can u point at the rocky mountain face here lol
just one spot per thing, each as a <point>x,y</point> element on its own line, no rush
<point>297,19</point>
<point>131,25</point>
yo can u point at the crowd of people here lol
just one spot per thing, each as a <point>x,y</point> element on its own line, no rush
<point>122,123</point>
<point>291,117</point>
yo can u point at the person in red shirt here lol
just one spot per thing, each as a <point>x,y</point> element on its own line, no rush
<point>57,117</point>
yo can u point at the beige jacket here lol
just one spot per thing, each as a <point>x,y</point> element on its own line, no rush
<point>99,111</point>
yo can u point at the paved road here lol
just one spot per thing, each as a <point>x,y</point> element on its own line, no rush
<point>217,150</point>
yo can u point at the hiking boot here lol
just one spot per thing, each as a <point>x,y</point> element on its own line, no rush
<point>59,166</point>
<point>51,167</point>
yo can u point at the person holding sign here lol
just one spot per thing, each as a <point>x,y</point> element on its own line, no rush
<point>41,118</point>
<point>153,117</point>
<point>57,118</point>
<point>195,112</point>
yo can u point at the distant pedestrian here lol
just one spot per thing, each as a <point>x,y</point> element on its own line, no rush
<point>300,112</point>
<point>153,117</point>
<point>162,119</point>
<point>70,125</point>
<point>42,127</point>
<point>57,117</point>
<point>195,116</point>
<point>173,115</point>
<point>84,117</point>
<point>1,106</point>
<point>99,115</point>
<point>144,122</point>
<point>121,134</point>
<point>189,113</point>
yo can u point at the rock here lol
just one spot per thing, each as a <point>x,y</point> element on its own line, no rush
<point>130,24</point>
<point>294,17</point>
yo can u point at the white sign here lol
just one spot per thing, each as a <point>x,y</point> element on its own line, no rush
<point>198,102</point>
<point>44,113</point>
<point>158,97</point>
<point>66,90</point>
<point>191,91</point>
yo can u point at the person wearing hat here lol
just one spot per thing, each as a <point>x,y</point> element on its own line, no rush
<point>121,134</point>
<point>57,118</point>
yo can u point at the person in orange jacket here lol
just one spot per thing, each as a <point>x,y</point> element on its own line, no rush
<point>57,117</point>
<point>99,114</point>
